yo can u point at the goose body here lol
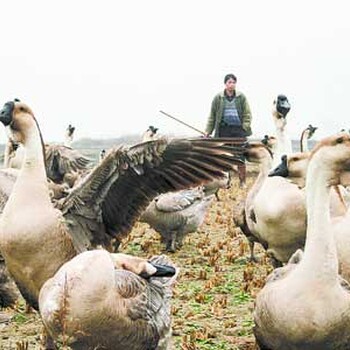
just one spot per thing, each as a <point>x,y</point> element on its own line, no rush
<point>274,209</point>
<point>176,214</point>
<point>306,306</point>
<point>114,310</point>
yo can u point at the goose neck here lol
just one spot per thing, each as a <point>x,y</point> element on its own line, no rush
<point>320,250</point>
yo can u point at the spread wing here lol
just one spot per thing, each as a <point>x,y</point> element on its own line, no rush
<point>117,190</point>
<point>61,160</point>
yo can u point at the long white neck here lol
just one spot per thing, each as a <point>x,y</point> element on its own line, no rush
<point>284,144</point>
<point>32,175</point>
<point>68,141</point>
<point>320,259</point>
<point>265,166</point>
<point>304,147</point>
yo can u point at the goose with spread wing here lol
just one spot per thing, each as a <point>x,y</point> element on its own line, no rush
<point>37,239</point>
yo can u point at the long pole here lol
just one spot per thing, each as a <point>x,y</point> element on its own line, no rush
<point>180,121</point>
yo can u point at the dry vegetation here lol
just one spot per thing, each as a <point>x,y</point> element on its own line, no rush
<point>214,296</point>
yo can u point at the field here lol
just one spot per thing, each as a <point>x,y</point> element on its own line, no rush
<point>213,298</point>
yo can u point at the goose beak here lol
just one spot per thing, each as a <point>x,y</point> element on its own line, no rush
<point>161,271</point>
<point>6,113</point>
<point>281,169</point>
<point>283,106</point>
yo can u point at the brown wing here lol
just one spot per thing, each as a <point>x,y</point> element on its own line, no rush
<point>61,160</point>
<point>122,185</point>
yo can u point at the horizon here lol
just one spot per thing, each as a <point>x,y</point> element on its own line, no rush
<point>109,69</point>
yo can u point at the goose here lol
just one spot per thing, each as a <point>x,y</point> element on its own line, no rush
<point>102,155</point>
<point>60,160</point>
<point>281,107</point>
<point>270,141</point>
<point>69,136</point>
<point>305,136</point>
<point>259,153</point>
<point>63,162</point>
<point>175,214</point>
<point>294,168</point>
<point>13,155</point>
<point>213,187</point>
<point>150,134</point>
<point>36,238</point>
<point>306,306</point>
<point>8,291</point>
<point>112,302</point>
<point>276,215</point>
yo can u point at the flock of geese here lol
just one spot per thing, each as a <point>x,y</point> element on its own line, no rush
<point>91,298</point>
<point>63,219</point>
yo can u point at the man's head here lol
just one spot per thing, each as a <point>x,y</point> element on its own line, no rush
<point>230,82</point>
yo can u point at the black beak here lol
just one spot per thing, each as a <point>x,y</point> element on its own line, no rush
<point>6,113</point>
<point>162,271</point>
<point>281,169</point>
<point>283,105</point>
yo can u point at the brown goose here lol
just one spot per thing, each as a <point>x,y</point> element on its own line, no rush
<point>306,306</point>
<point>36,239</point>
<point>114,302</point>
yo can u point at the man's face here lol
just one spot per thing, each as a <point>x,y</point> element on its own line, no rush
<point>230,85</point>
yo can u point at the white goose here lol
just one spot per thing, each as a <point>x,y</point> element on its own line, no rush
<point>305,137</point>
<point>305,306</point>
<point>283,145</point>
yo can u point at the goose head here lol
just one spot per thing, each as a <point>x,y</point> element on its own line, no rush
<point>281,106</point>
<point>18,119</point>
<point>333,153</point>
<point>310,131</point>
<point>70,130</point>
<point>141,267</point>
<point>256,152</point>
<point>294,165</point>
<point>152,130</point>
<point>269,141</point>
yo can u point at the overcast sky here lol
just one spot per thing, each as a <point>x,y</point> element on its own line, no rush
<point>108,67</point>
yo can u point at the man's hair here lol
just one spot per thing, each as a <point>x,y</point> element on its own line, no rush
<point>229,76</point>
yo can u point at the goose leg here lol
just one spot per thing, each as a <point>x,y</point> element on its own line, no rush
<point>252,257</point>
<point>47,341</point>
<point>179,241</point>
<point>171,243</point>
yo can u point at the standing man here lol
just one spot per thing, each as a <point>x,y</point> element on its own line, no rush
<point>230,116</point>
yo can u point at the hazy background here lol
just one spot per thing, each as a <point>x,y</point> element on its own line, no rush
<point>108,67</point>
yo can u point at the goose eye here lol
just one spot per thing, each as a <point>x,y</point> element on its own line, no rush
<point>339,140</point>
<point>22,109</point>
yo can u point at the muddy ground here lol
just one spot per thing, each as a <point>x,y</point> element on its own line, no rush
<point>213,299</point>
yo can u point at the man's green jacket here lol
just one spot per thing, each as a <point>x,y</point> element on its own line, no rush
<point>216,113</point>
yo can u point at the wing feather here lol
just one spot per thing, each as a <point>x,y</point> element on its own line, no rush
<point>119,189</point>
